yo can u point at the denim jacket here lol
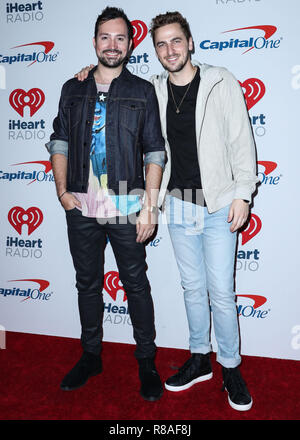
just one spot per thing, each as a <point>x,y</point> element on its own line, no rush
<point>132,130</point>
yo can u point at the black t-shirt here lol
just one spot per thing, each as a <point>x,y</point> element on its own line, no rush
<point>181,132</point>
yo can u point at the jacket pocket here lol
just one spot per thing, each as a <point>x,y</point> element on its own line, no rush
<point>73,108</point>
<point>130,115</point>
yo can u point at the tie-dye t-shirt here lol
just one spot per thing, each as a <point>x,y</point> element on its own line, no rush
<point>97,202</point>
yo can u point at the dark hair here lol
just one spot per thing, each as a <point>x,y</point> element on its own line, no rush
<point>110,13</point>
<point>170,18</point>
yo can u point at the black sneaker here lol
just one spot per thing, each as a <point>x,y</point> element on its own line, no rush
<point>238,395</point>
<point>194,370</point>
<point>151,386</point>
<point>88,365</point>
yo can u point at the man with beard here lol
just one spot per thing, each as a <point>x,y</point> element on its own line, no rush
<point>104,126</point>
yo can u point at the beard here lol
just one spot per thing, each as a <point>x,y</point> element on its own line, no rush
<point>112,63</point>
<point>176,68</point>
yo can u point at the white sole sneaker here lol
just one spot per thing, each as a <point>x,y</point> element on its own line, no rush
<point>245,407</point>
<point>190,384</point>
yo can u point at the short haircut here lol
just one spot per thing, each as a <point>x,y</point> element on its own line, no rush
<point>111,13</point>
<point>170,18</point>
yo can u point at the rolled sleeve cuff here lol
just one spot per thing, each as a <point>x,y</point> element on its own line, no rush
<point>157,157</point>
<point>57,147</point>
<point>243,193</point>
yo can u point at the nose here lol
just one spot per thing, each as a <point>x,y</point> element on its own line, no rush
<point>113,43</point>
<point>170,49</point>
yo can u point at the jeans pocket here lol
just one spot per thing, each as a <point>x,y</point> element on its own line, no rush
<point>73,211</point>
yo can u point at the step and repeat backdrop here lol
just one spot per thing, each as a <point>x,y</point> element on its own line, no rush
<point>43,44</point>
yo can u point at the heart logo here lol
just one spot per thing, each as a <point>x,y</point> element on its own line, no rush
<point>254,90</point>
<point>139,32</point>
<point>112,285</point>
<point>18,217</point>
<point>19,99</point>
<point>252,229</point>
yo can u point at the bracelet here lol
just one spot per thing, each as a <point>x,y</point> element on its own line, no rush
<point>152,209</point>
<point>62,195</point>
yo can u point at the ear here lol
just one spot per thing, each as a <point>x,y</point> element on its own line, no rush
<point>191,44</point>
<point>130,45</point>
<point>94,42</point>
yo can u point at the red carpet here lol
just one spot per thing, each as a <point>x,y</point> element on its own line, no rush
<point>32,366</point>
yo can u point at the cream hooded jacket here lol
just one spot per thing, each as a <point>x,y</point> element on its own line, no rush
<point>225,144</point>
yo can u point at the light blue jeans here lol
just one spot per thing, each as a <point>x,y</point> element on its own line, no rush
<point>204,249</point>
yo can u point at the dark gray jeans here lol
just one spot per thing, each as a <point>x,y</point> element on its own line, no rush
<point>87,240</point>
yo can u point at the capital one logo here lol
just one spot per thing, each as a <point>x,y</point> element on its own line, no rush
<point>40,57</point>
<point>254,89</point>
<point>33,175</point>
<point>112,285</point>
<point>139,32</point>
<point>268,31</point>
<point>19,99</point>
<point>47,168</point>
<point>37,56</point>
<point>253,42</point>
<point>268,165</point>
<point>32,217</point>
<point>253,309</point>
<point>252,229</point>
<point>266,177</point>
<point>28,293</point>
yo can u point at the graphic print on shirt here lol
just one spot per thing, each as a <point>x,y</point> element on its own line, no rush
<point>98,149</point>
<point>97,202</point>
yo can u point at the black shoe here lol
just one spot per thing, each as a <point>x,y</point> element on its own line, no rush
<point>238,395</point>
<point>87,366</point>
<point>151,386</point>
<point>194,370</point>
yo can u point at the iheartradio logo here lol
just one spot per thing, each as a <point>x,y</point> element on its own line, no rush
<point>139,31</point>
<point>252,229</point>
<point>33,99</point>
<point>254,89</point>
<point>32,217</point>
<point>112,285</point>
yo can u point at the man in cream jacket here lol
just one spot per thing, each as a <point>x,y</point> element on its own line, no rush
<point>206,189</point>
